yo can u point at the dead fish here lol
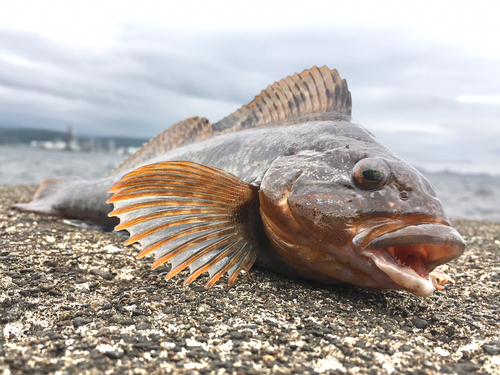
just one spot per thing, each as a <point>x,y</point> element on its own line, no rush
<point>288,182</point>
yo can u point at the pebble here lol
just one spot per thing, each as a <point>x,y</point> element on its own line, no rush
<point>368,357</point>
<point>467,367</point>
<point>405,348</point>
<point>444,338</point>
<point>79,321</point>
<point>117,318</point>
<point>436,317</point>
<point>106,306</point>
<point>143,326</point>
<point>491,349</point>
<point>114,354</point>
<point>419,322</point>
<point>237,335</point>
<point>105,275</point>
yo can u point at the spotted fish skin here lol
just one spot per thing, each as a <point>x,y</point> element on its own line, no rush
<point>288,182</point>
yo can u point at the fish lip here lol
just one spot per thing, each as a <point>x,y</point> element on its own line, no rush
<point>432,244</point>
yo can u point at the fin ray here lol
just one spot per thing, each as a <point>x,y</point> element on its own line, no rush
<point>155,203</point>
<point>162,214</point>
<point>209,264</point>
<point>197,240</point>
<point>178,268</point>
<point>225,268</point>
<point>202,226</point>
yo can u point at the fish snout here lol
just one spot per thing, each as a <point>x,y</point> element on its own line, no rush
<point>408,254</point>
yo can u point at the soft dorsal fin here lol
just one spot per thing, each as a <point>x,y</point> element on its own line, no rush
<point>314,90</point>
<point>191,130</point>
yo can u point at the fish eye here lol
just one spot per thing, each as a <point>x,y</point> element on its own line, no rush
<point>370,174</point>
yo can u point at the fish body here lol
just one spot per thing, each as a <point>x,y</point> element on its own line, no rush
<point>288,182</point>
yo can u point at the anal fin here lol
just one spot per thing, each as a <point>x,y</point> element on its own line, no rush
<point>192,215</point>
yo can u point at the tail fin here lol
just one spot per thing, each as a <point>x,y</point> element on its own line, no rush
<point>73,198</point>
<point>46,197</point>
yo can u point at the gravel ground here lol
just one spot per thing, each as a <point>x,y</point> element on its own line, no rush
<point>75,300</point>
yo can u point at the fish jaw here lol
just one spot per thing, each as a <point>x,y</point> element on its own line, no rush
<point>407,254</point>
<point>313,254</point>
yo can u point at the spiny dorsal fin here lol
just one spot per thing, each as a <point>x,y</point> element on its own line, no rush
<point>192,215</point>
<point>188,131</point>
<point>312,91</point>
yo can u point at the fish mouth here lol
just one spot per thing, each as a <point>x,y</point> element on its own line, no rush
<point>407,254</point>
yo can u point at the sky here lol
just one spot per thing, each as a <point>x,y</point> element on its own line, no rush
<point>424,76</point>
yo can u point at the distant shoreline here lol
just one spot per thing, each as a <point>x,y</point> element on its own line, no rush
<point>26,136</point>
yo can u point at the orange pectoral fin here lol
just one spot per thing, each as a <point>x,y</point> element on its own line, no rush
<point>191,215</point>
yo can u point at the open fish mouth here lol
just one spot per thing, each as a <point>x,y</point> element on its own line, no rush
<point>408,254</point>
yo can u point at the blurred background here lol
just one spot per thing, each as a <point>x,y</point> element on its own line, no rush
<point>83,84</point>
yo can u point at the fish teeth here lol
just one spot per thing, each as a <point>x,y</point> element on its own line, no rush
<point>391,250</point>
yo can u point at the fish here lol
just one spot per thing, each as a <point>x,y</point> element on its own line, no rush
<point>288,182</point>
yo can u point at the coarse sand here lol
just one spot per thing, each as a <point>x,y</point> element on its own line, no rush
<point>76,300</point>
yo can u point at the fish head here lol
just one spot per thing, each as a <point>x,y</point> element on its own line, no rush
<point>360,217</point>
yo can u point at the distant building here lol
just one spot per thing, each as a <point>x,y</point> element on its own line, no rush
<point>112,146</point>
<point>51,145</point>
<point>71,140</point>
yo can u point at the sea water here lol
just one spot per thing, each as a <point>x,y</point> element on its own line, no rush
<point>468,195</point>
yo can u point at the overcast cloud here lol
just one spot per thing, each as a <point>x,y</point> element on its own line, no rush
<point>427,98</point>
